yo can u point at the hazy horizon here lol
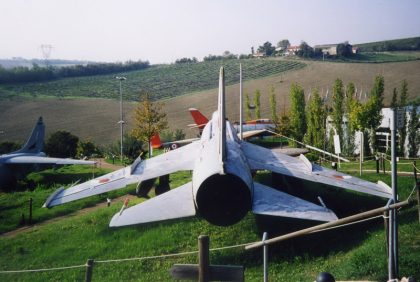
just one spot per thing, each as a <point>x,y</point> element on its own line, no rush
<point>163,31</point>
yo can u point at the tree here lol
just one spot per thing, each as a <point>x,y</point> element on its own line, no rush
<point>267,48</point>
<point>283,127</point>
<point>402,132</point>
<point>87,149</point>
<point>305,50</point>
<point>297,112</point>
<point>61,144</point>
<point>247,107</point>
<point>284,44</point>
<point>169,136</point>
<point>413,133</point>
<point>394,102</point>
<point>273,106</point>
<point>132,147</point>
<point>149,119</point>
<point>7,147</point>
<point>372,109</point>
<point>338,108</point>
<point>404,93</point>
<point>315,116</point>
<point>257,103</point>
<point>349,103</point>
<point>344,50</point>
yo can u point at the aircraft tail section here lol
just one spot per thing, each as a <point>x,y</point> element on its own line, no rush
<point>222,116</point>
<point>199,119</point>
<point>155,141</point>
<point>35,143</point>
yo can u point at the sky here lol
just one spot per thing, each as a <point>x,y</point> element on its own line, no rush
<point>161,31</point>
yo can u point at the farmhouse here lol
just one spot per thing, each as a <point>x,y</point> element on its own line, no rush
<point>291,50</point>
<point>327,49</point>
<point>258,55</point>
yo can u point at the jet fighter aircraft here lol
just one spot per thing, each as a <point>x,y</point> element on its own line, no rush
<point>222,189</point>
<point>16,163</point>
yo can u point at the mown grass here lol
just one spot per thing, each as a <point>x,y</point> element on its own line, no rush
<point>353,252</point>
<point>402,166</point>
<point>15,205</point>
<point>163,81</point>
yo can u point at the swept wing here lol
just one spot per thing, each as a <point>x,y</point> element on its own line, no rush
<point>172,161</point>
<point>260,158</point>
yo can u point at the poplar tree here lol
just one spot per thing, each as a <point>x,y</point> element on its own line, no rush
<point>394,102</point>
<point>372,110</point>
<point>257,103</point>
<point>349,102</point>
<point>338,108</point>
<point>149,119</point>
<point>402,132</point>
<point>315,116</point>
<point>297,112</point>
<point>247,108</point>
<point>413,133</point>
<point>273,106</point>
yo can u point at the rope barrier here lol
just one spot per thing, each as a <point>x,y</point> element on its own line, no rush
<point>124,260</point>
<point>43,269</point>
<point>416,168</point>
<point>412,192</point>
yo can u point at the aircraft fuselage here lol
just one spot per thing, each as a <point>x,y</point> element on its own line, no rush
<point>222,190</point>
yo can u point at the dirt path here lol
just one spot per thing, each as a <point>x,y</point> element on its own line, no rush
<point>13,233</point>
<point>101,163</point>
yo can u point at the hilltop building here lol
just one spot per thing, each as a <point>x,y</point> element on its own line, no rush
<point>327,49</point>
<point>292,50</point>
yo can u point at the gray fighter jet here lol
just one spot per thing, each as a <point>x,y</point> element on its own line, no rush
<point>222,189</point>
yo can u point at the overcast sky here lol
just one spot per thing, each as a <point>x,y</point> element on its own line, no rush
<point>162,31</point>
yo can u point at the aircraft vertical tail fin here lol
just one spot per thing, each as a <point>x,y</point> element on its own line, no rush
<point>222,116</point>
<point>155,142</point>
<point>199,119</point>
<point>35,143</point>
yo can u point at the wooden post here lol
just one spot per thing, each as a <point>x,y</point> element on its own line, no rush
<point>377,164</point>
<point>203,258</point>
<point>386,215</point>
<point>89,270</point>
<point>205,272</point>
<point>30,210</point>
<point>383,163</point>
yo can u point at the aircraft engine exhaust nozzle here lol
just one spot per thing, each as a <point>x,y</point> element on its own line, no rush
<point>223,200</point>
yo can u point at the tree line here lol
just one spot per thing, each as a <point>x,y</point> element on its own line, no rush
<point>307,122</point>
<point>39,74</point>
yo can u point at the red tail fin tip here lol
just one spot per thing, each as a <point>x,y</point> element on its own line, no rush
<point>155,141</point>
<point>198,117</point>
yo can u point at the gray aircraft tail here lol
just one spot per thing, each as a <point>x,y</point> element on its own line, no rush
<point>35,143</point>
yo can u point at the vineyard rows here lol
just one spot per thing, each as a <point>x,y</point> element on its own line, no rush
<point>162,81</point>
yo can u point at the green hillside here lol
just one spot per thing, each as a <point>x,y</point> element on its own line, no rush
<point>163,81</point>
<point>404,44</point>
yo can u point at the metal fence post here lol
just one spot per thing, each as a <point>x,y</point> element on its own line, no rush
<point>265,253</point>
